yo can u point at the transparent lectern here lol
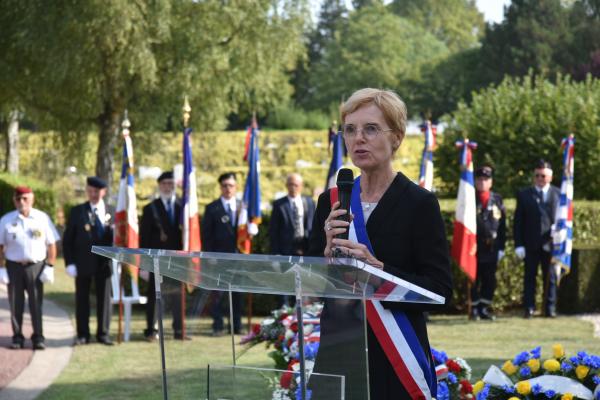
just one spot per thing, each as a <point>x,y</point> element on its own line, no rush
<point>341,366</point>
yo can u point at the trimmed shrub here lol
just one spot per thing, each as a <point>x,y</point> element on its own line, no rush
<point>578,291</point>
<point>45,198</point>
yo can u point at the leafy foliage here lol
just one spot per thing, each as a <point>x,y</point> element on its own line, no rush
<point>521,121</point>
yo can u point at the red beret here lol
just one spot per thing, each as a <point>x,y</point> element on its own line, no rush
<point>19,190</point>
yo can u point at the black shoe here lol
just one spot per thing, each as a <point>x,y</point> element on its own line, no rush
<point>487,314</point>
<point>39,346</point>
<point>551,313</point>
<point>528,313</point>
<point>151,337</point>
<point>474,314</point>
<point>217,333</point>
<point>16,345</point>
<point>179,336</point>
<point>81,341</point>
<point>105,341</point>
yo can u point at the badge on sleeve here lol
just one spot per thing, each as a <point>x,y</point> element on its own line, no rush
<point>87,227</point>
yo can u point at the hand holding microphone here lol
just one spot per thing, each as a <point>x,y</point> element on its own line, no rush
<point>338,221</point>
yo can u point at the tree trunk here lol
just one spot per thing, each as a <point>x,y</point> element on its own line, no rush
<point>109,133</point>
<point>12,143</point>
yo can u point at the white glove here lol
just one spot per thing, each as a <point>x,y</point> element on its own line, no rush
<point>4,276</point>
<point>520,252</point>
<point>47,274</point>
<point>72,270</point>
<point>500,255</point>
<point>252,229</point>
<point>145,275</point>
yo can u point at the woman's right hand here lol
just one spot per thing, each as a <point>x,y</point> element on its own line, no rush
<point>333,227</point>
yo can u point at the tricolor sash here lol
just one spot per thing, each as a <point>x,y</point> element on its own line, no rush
<point>392,328</point>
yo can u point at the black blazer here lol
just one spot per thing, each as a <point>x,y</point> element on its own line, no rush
<point>80,236</point>
<point>281,225</point>
<point>529,217</point>
<point>156,231</point>
<point>408,235</point>
<point>218,234</point>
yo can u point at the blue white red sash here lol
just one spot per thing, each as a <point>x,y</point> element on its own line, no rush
<point>392,328</point>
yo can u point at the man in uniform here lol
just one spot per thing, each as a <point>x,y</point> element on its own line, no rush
<point>491,237</point>
<point>27,254</point>
<point>291,222</point>
<point>534,217</point>
<point>219,234</point>
<point>160,228</point>
<point>90,224</point>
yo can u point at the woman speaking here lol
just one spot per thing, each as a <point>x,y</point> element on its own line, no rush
<point>404,236</point>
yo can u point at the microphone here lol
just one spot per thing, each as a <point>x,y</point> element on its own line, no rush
<point>345,181</point>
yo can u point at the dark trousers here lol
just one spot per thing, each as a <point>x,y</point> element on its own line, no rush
<point>220,299</point>
<point>25,278</point>
<point>172,294</point>
<point>82,305</point>
<point>484,287</point>
<point>533,258</point>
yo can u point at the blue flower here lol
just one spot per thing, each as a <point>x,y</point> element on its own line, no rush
<point>537,352</point>
<point>521,358</point>
<point>550,393</point>
<point>439,357</point>
<point>452,378</point>
<point>443,393</point>
<point>525,372</point>
<point>595,362</point>
<point>484,393</point>
<point>596,380</point>
<point>566,367</point>
<point>536,389</point>
<point>581,355</point>
<point>574,360</point>
<point>508,389</point>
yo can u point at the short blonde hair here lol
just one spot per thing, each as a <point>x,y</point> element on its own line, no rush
<point>391,105</point>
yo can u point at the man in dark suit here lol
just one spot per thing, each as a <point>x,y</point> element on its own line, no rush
<point>534,216</point>
<point>160,229</point>
<point>219,234</point>
<point>291,220</point>
<point>90,224</point>
<point>291,223</point>
<point>491,237</point>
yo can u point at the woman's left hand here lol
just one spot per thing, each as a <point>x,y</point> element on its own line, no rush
<point>358,251</point>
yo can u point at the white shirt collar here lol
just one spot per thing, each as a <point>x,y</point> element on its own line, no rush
<point>544,189</point>
<point>165,199</point>
<point>99,206</point>
<point>232,203</point>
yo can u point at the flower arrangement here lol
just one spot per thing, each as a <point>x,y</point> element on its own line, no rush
<point>453,377</point>
<point>529,376</point>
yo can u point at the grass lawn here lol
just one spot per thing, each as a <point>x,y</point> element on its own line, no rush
<point>132,370</point>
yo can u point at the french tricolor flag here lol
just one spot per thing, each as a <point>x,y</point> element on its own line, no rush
<point>189,216</point>
<point>337,160</point>
<point>426,171</point>
<point>464,241</point>
<point>126,218</point>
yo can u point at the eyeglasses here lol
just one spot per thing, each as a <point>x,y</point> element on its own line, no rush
<point>540,175</point>
<point>227,185</point>
<point>369,131</point>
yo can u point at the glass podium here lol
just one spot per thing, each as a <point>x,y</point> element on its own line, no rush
<point>340,370</point>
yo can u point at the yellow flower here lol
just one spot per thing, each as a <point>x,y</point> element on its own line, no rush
<point>567,396</point>
<point>478,386</point>
<point>509,367</point>
<point>534,365</point>
<point>581,371</point>
<point>551,365</point>
<point>514,398</point>
<point>558,351</point>
<point>523,387</point>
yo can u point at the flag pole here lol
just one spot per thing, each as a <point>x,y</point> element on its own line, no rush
<point>125,125</point>
<point>186,118</point>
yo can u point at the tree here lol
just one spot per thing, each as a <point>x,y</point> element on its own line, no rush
<point>80,64</point>
<point>457,23</point>
<point>375,48</point>
<point>532,36</point>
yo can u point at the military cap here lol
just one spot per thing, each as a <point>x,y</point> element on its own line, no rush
<point>19,190</point>
<point>165,175</point>
<point>96,182</point>
<point>484,171</point>
<point>541,164</point>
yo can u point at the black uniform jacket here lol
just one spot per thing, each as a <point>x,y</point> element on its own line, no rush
<point>281,226</point>
<point>218,234</point>
<point>407,233</point>
<point>529,216</point>
<point>491,228</point>
<point>80,236</point>
<point>156,231</point>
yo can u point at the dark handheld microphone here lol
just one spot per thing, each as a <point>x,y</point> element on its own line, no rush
<point>345,181</point>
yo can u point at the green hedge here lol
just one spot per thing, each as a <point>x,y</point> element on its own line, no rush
<point>45,198</point>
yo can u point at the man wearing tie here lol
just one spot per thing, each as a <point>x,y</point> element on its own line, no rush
<point>219,234</point>
<point>291,220</point>
<point>534,217</point>
<point>160,228</point>
<point>90,224</point>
